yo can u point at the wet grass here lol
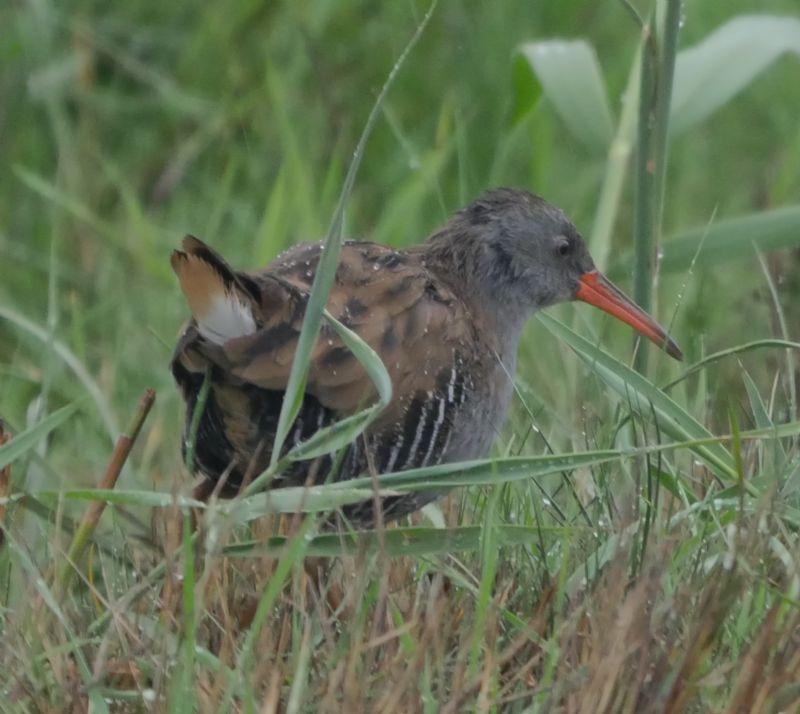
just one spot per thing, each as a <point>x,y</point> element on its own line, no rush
<point>631,546</point>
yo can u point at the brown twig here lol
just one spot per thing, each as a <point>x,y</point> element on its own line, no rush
<point>119,456</point>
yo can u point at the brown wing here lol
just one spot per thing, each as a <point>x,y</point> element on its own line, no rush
<point>387,297</point>
<point>246,327</point>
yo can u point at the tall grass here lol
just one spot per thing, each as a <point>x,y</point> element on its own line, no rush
<point>631,544</point>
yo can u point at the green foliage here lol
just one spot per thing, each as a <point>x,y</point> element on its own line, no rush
<point>732,239</point>
<point>629,546</point>
<point>569,75</point>
<point>33,435</point>
<point>710,74</point>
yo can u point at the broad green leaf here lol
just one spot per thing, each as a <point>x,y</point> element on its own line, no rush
<point>527,90</point>
<point>26,440</point>
<point>714,71</point>
<point>733,239</point>
<point>570,77</point>
<point>644,397</point>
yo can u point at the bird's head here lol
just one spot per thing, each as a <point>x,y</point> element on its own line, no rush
<point>526,254</point>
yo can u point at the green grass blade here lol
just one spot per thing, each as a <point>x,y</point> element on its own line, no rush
<point>292,499</point>
<point>123,497</point>
<point>185,691</point>
<point>58,197</point>
<point>762,418</point>
<point>333,437</point>
<point>26,440</point>
<point>485,472</point>
<point>75,365</point>
<point>616,170</point>
<point>403,541</point>
<point>757,406</point>
<point>329,263</point>
<point>345,431</point>
<point>645,221</point>
<point>640,393</point>
<point>300,673</point>
<point>723,354</point>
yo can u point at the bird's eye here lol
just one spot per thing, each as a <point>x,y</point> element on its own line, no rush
<point>563,247</point>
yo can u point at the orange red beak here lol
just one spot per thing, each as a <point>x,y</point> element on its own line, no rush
<point>599,291</point>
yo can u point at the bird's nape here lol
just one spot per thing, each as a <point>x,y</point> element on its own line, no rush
<point>596,289</point>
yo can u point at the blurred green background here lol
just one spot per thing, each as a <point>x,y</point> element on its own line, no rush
<point>124,126</point>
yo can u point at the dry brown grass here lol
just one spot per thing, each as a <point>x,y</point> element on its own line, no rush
<point>398,635</point>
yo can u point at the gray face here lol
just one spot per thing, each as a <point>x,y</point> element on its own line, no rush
<point>532,255</point>
<point>510,253</point>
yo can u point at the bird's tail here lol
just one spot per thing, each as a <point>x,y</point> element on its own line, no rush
<point>219,299</point>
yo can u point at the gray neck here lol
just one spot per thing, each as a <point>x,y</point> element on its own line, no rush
<point>506,320</point>
<point>486,290</point>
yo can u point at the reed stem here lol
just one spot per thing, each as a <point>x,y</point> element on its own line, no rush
<point>659,50</point>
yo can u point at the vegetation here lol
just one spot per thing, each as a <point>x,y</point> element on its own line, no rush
<point>632,544</point>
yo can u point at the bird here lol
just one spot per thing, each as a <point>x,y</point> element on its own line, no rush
<point>445,317</point>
